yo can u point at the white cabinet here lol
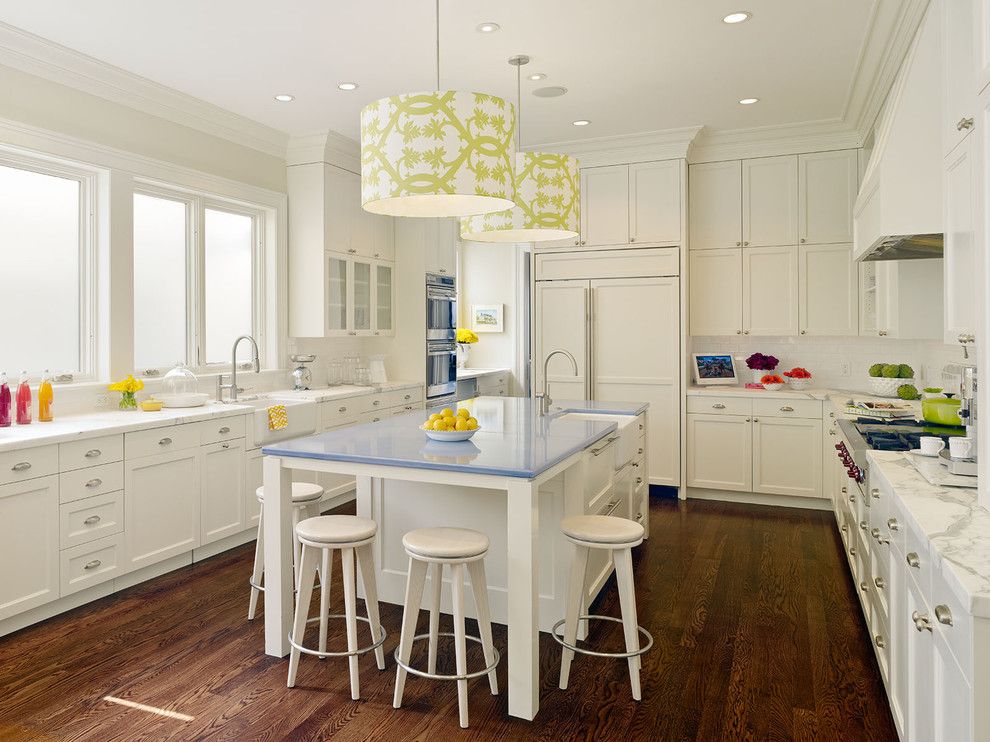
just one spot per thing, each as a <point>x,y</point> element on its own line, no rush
<point>958,71</point>
<point>223,503</point>
<point>715,205</point>
<point>715,294</point>
<point>442,236</point>
<point>655,202</point>
<point>981,45</point>
<point>787,456</point>
<point>719,452</point>
<point>770,201</point>
<point>373,233</point>
<point>161,506</point>
<point>769,290</point>
<point>562,311</point>
<point>888,299</point>
<point>827,186</point>
<point>953,698</point>
<point>338,293</point>
<point>962,215</point>
<point>253,478</point>
<point>360,296</point>
<point>920,665</point>
<point>28,544</point>
<point>605,205</point>
<point>828,290</point>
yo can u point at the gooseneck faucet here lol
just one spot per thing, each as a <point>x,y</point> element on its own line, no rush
<point>545,399</point>
<point>232,386</point>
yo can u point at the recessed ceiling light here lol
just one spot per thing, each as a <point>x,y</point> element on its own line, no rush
<point>738,17</point>
<point>487,27</point>
<point>553,91</point>
<point>347,86</point>
<point>581,122</point>
<point>285,98</point>
<point>749,101</point>
<point>537,76</point>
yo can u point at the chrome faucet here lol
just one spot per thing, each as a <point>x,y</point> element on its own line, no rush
<point>232,386</point>
<point>545,399</point>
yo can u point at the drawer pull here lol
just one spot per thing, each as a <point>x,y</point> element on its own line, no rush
<point>964,124</point>
<point>376,402</point>
<point>875,532</point>
<point>94,483</point>
<point>639,516</point>
<point>341,409</point>
<point>93,453</point>
<point>92,520</point>
<point>862,525</point>
<point>22,466</point>
<point>913,560</point>
<point>893,525</point>
<point>852,550</point>
<point>921,621</point>
<point>880,582</point>
<point>843,528</point>
<point>943,615</point>
<point>852,499</point>
<point>407,397</point>
<point>864,587</point>
<point>876,494</point>
<point>639,480</point>
<point>165,442</point>
<point>608,441</point>
<point>718,406</point>
<point>880,641</point>
<point>787,408</point>
<point>224,430</point>
<point>93,564</point>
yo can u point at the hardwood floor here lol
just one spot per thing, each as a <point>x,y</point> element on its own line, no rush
<point>757,631</point>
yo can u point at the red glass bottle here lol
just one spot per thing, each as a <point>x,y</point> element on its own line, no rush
<point>23,401</point>
<point>4,401</point>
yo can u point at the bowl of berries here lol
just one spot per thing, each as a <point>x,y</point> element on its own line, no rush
<point>772,382</point>
<point>798,378</point>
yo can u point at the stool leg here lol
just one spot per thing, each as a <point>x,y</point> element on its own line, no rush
<point>350,612</point>
<point>410,613</point>
<point>627,600</point>
<point>480,586</point>
<point>259,568</point>
<point>296,549</point>
<point>366,566</point>
<point>436,571</point>
<point>307,573</point>
<point>326,567</point>
<point>460,643</point>
<point>575,605</point>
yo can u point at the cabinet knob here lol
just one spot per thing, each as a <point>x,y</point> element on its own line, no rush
<point>351,251</point>
<point>875,493</point>
<point>880,641</point>
<point>577,242</point>
<point>756,419</point>
<point>341,409</point>
<point>965,123</point>
<point>921,621</point>
<point>377,254</point>
<point>632,239</point>
<point>864,587</point>
<point>738,332</point>
<point>745,332</point>
<point>913,560</point>
<point>943,615</point>
<point>852,550</point>
<point>880,582</point>
<point>745,244</point>
<point>802,240</point>
<point>804,332</point>
<point>738,244</point>
<point>583,242</point>
<point>893,525</point>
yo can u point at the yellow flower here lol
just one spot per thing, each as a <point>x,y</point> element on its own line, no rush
<point>127,386</point>
<point>464,335</point>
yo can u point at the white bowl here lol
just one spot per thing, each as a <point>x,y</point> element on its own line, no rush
<point>450,436</point>
<point>188,399</point>
<point>773,387</point>
<point>884,387</point>
<point>798,383</point>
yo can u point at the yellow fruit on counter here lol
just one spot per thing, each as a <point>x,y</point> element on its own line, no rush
<point>470,424</point>
<point>446,412</point>
<point>463,413</point>
<point>439,425</point>
<point>461,424</point>
<point>435,416</point>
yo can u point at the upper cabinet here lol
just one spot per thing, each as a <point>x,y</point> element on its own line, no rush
<point>827,185</point>
<point>981,45</point>
<point>441,237</point>
<point>962,215</point>
<point>715,205</point>
<point>958,71</point>
<point>888,299</point>
<point>631,204</point>
<point>770,201</point>
<point>828,287</point>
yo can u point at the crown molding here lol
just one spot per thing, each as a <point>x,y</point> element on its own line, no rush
<point>328,146</point>
<point>669,144</point>
<point>767,141</point>
<point>37,56</point>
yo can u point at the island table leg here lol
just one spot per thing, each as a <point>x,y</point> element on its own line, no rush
<point>278,556</point>
<point>523,598</point>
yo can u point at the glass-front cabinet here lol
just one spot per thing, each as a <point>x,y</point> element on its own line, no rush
<point>360,296</point>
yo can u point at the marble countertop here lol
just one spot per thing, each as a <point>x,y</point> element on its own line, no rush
<point>741,391</point>
<point>341,392</point>
<point>513,439</point>
<point>474,373</point>
<point>955,524</point>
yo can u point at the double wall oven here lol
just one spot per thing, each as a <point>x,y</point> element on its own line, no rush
<point>441,339</point>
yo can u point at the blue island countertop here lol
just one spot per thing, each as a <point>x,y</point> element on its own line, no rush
<point>513,439</point>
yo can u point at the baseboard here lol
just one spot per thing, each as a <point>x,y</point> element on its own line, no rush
<point>756,498</point>
<point>348,495</point>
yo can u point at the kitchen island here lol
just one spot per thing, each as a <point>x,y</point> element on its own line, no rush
<point>514,480</point>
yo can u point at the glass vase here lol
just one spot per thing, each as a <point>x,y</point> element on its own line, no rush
<point>127,401</point>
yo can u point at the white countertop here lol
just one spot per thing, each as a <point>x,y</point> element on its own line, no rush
<point>957,527</point>
<point>741,391</point>
<point>474,373</point>
<point>341,392</point>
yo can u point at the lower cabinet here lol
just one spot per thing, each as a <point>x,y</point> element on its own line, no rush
<point>918,653</point>
<point>28,544</point>
<point>953,694</point>
<point>720,453</point>
<point>223,504</point>
<point>787,456</point>
<point>91,563</point>
<point>161,506</point>
<point>254,478</point>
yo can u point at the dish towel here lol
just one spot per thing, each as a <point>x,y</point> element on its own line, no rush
<point>277,417</point>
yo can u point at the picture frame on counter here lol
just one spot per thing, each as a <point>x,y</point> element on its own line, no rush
<point>487,317</point>
<point>714,368</point>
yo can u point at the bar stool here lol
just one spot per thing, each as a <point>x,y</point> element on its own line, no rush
<point>460,549</point>
<point>619,536</point>
<point>305,504</point>
<point>353,536</point>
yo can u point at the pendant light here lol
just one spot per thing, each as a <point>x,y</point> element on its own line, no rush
<point>548,195</point>
<point>437,153</point>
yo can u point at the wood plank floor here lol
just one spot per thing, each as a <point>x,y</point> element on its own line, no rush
<point>758,636</point>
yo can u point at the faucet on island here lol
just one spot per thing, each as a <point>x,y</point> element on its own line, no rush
<point>232,386</point>
<point>545,399</point>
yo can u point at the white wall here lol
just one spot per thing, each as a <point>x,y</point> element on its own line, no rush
<point>488,275</point>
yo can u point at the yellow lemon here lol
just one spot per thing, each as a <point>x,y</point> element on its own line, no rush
<point>449,419</point>
<point>461,424</point>
<point>439,425</point>
<point>435,416</point>
<point>473,420</point>
<point>470,424</point>
<point>446,412</point>
<point>463,413</point>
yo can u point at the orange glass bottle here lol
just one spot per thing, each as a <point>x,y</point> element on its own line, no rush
<point>45,398</point>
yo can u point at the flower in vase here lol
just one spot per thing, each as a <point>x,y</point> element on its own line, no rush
<point>760,362</point>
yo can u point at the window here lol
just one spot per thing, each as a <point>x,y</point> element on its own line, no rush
<point>197,279</point>
<point>45,262</point>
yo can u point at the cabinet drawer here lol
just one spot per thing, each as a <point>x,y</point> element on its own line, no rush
<point>401,410</point>
<point>712,405</point>
<point>87,520</point>
<point>161,440</point>
<point>374,416</point>
<point>28,463</point>
<point>598,472</point>
<point>918,561</point>
<point>90,452</point>
<point>805,408</point>
<point>90,564</point>
<point>335,413</point>
<point>954,622</point>
<point>896,524</point>
<point>97,480</point>
<point>216,431</point>
<point>373,402</point>
<point>402,397</point>
<point>663,261</point>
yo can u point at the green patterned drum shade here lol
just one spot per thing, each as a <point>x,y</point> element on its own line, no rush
<point>445,153</point>
<point>548,203</point>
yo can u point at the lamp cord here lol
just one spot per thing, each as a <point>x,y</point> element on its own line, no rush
<point>518,108</point>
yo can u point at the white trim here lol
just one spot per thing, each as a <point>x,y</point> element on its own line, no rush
<point>38,56</point>
<point>670,144</point>
<point>757,498</point>
<point>328,147</point>
<point>767,141</point>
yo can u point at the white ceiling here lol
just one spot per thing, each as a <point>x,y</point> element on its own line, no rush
<point>629,65</point>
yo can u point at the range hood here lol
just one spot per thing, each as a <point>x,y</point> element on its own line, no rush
<point>905,247</point>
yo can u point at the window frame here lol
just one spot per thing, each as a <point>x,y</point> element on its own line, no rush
<point>88,300</point>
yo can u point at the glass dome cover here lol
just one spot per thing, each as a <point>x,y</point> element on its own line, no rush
<point>180,380</point>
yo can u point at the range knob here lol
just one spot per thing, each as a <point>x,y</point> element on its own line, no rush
<point>840,446</point>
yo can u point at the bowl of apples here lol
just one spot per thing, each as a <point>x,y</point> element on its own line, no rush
<point>448,425</point>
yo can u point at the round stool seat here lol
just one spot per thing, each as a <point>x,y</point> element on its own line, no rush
<point>336,529</point>
<point>445,543</point>
<point>301,492</point>
<point>602,529</point>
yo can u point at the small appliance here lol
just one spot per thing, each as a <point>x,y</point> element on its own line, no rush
<point>302,378</point>
<point>441,307</point>
<point>966,466</point>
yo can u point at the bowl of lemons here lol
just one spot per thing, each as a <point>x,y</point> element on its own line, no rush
<point>448,425</point>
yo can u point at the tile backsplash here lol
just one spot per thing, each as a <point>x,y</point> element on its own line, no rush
<point>827,358</point>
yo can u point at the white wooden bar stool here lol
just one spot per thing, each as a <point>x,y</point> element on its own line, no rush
<point>353,536</point>
<point>305,504</point>
<point>461,549</point>
<point>619,536</point>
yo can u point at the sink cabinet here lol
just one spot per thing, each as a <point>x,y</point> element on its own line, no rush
<point>28,544</point>
<point>223,502</point>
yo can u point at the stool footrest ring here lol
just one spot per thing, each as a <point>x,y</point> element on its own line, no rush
<point>617,655</point>
<point>435,676</point>
<point>359,650</point>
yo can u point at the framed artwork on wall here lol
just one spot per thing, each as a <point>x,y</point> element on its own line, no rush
<point>487,317</point>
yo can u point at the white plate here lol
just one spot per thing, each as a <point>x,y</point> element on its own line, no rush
<point>193,399</point>
<point>917,452</point>
<point>450,435</point>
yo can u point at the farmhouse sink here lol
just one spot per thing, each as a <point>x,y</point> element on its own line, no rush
<point>628,443</point>
<point>302,415</point>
